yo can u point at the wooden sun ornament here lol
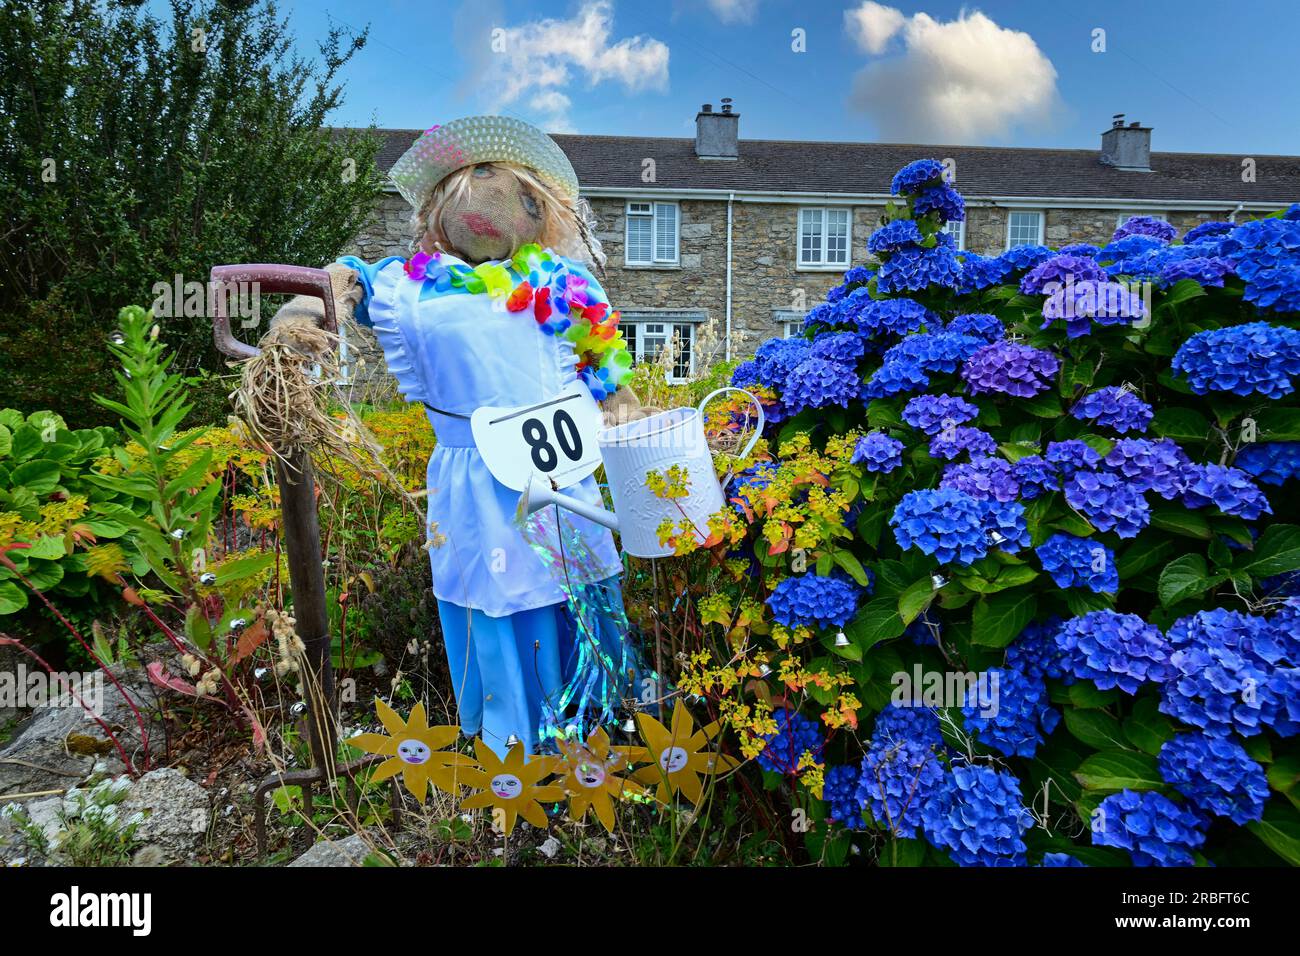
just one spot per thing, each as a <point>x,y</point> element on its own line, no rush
<point>674,756</point>
<point>590,776</point>
<point>512,786</point>
<point>414,750</point>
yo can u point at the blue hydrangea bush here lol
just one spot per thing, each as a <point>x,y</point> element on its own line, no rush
<point>1074,476</point>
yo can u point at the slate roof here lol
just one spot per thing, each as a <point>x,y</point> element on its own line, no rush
<point>615,162</point>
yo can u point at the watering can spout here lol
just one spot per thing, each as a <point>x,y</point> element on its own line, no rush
<point>540,495</point>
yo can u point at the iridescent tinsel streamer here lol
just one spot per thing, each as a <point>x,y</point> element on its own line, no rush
<point>606,664</point>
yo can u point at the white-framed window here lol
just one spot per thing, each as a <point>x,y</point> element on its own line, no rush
<point>956,229</point>
<point>824,236</point>
<point>1024,228</point>
<point>789,321</point>
<point>1126,216</point>
<point>651,238</point>
<point>645,340</point>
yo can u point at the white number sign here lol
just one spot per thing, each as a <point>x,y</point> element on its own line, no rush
<point>555,439</point>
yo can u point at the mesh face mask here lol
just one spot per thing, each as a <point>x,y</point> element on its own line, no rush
<point>493,217</point>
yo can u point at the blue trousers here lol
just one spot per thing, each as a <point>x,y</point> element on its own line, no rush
<point>503,668</point>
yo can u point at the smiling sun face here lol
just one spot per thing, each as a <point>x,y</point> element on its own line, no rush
<point>675,756</point>
<point>414,750</point>
<point>591,779</point>
<point>511,787</point>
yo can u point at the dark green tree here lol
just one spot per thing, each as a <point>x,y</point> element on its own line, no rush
<point>135,148</point>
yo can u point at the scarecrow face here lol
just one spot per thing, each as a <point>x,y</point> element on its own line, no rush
<point>506,786</point>
<point>413,751</point>
<point>496,215</point>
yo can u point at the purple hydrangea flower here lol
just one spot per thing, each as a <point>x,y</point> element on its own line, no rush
<point>1114,650</point>
<point>1079,563</point>
<point>1155,830</point>
<point>949,444</point>
<point>1108,502</point>
<point>878,452</point>
<point>984,478</point>
<point>1206,270</point>
<point>1081,304</point>
<point>1146,226</point>
<point>1012,368</point>
<point>935,413</point>
<point>1216,775</point>
<point>1132,246</point>
<point>1116,408</point>
<point>1059,271</point>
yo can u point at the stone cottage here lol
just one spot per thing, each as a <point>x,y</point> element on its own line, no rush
<point>741,237</point>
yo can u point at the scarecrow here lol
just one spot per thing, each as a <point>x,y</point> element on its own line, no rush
<point>498,307</point>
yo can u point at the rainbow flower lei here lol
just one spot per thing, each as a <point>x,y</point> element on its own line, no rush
<point>560,300</point>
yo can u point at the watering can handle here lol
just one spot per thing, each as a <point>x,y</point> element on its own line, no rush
<point>271,279</point>
<point>758,429</point>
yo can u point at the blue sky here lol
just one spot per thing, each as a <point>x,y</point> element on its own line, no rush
<point>1208,76</point>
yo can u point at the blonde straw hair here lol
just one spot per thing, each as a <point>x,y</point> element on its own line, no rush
<point>568,225</point>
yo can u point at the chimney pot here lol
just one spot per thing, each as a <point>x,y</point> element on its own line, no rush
<point>717,134</point>
<point>1117,120</point>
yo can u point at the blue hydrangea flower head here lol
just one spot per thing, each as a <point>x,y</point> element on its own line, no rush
<point>1252,359</point>
<point>1273,463</point>
<point>893,236</point>
<point>1131,246</point>
<point>1025,257</point>
<point>1114,650</point>
<point>1207,271</point>
<point>944,523</point>
<point>1035,651</point>
<point>1082,304</point>
<point>1036,476</point>
<point>896,377</point>
<point>843,347</point>
<point>1158,466</point>
<point>1079,563</point>
<point>980,272</point>
<point>1020,719</point>
<point>880,317</point>
<point>949,444</point>
<point>795,735</point>
<point>1208,230</point>
<point>1071,455</point>
<point>978,818</point>
<point>1061,859</point>
<point>1010,368</point>
<point>941,199</point>
<point>1231,490</point>
<point>840,792</point>
<point>987,328</point>
<point>1004,523</point>
<point>1277,290</point>
<point>1116,408</point>
<point>817,383</point>
<point>878,452</point>
<point>898,778</point>
<point>914,269</point>
<point>1155,830</point>
<point>1216,775</point>
<point>915,175</point>
<point>1080,249</point>
<point>1108,502</point>
<point>814,600</point>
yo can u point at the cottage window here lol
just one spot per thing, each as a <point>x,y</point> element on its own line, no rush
<point>823,237</point>
<point>1024,229</point>
<point>645,340</point>
<point>651,234</point>
<point>956,229</point>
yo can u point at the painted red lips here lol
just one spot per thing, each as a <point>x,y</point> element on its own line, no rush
<point>480,225</point>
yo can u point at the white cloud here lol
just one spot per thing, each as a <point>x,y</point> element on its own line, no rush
<point>543,57</point>
<point>733,11</point>
<point>962,80</point>
<point>872,25</point>
<point>553,108</point>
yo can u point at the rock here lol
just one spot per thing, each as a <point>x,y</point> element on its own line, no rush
<point>350,851</point>
<point>175,811</point>
<point>550,846</point>
<point>59,745</point>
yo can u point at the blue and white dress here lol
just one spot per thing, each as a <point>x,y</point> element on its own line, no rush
<point>508,633</point>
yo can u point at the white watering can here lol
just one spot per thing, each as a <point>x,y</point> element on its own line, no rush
<point>633,449</point>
